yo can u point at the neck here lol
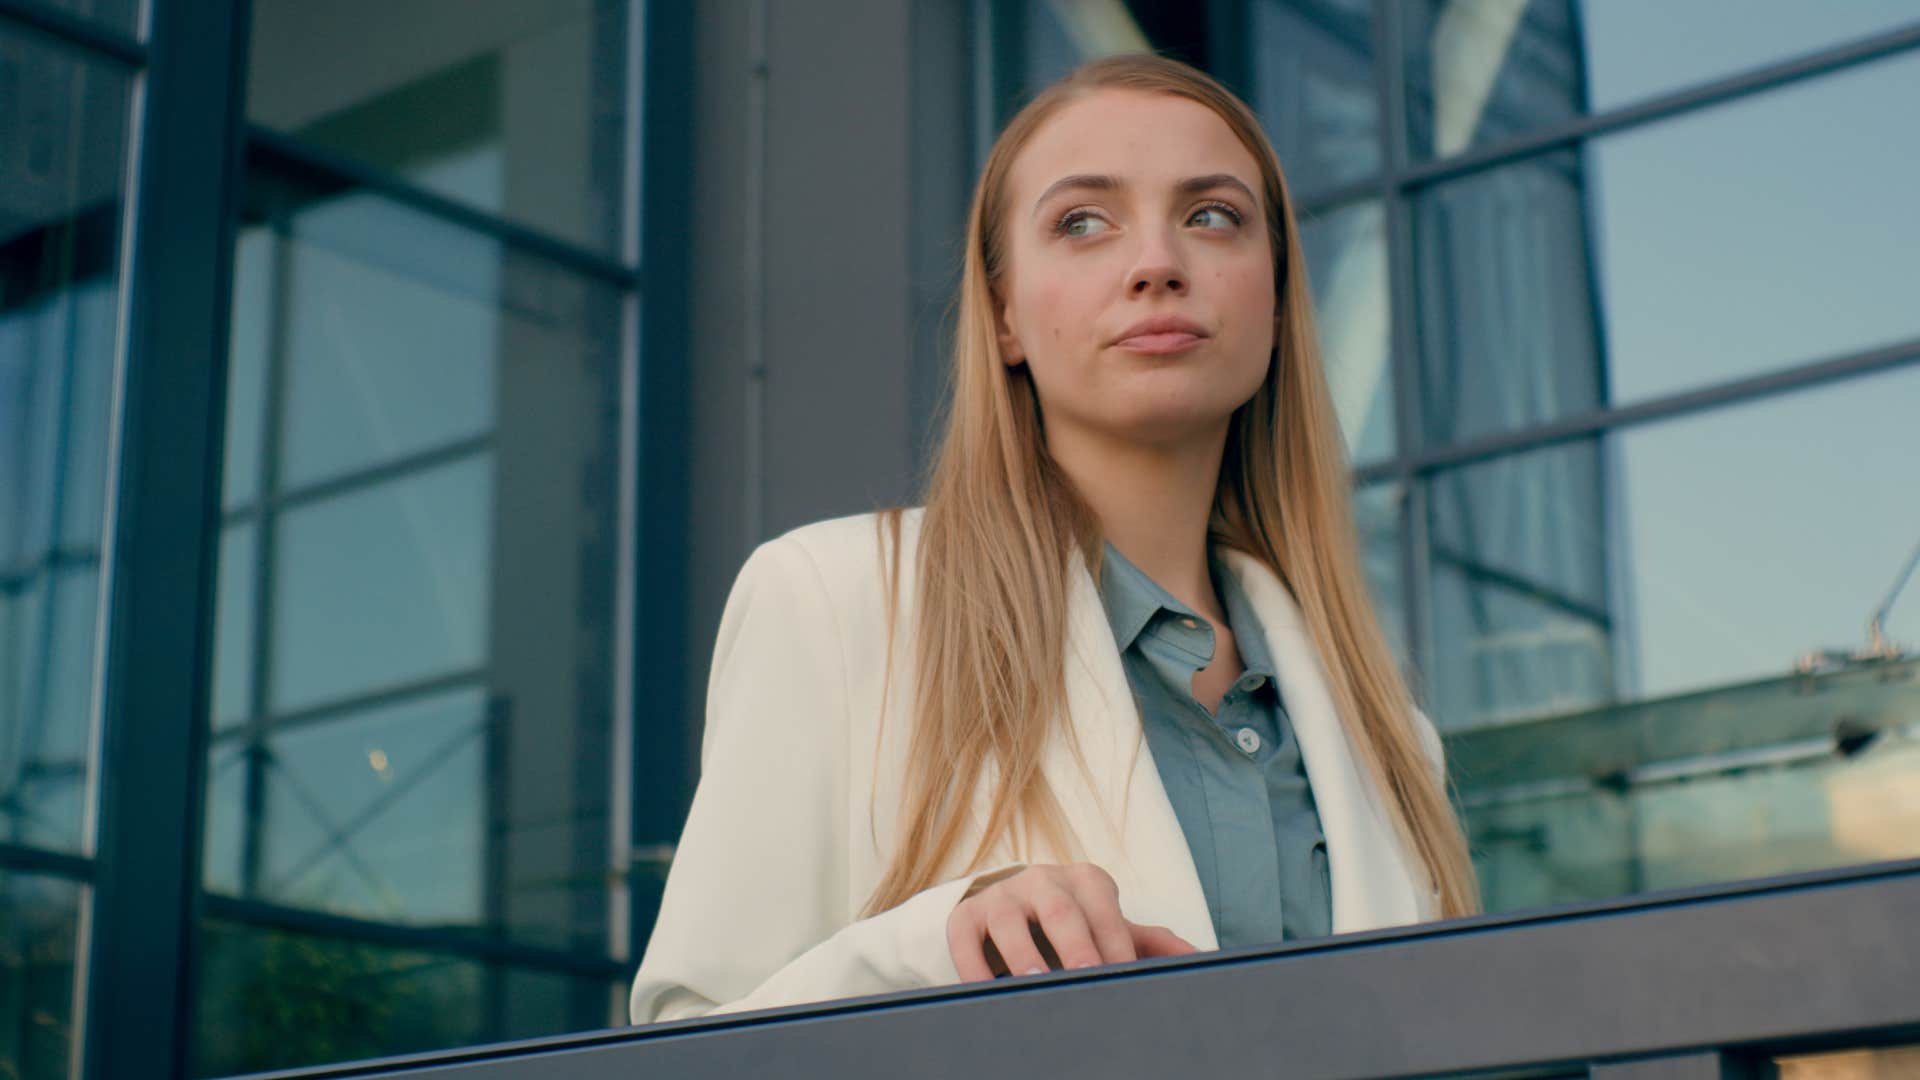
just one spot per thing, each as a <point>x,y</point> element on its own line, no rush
<point>1153,504</point>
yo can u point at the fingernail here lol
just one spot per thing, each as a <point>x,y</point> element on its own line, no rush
<point>1036,971</point>
<point>1088,964</point>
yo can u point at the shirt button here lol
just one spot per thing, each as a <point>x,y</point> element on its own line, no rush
<point>1189,624</point>
<point>1253,682</point>
<point>1248,739</point>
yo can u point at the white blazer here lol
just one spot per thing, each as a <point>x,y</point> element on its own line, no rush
<point>795,812</point>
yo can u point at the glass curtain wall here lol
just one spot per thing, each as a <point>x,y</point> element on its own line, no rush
<point>64,148</point>
<point>412,805</point>
<point>415,829</point>
<point>1616,302</point>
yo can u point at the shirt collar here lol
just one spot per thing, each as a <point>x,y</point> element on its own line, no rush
<point>1132,599</point>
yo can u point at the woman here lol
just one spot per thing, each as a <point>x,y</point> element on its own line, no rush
<point>1117,691</point>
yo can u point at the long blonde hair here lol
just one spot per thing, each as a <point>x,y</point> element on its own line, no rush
<point>1002,522</point>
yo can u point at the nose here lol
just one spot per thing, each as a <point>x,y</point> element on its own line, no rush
<point>1157,270</point>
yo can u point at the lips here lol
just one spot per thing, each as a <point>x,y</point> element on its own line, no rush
<point>1160,334</point>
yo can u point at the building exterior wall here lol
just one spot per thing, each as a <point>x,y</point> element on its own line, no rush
<point>389,394</point>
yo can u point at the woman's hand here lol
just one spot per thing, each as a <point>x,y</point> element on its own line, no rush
<point>1066,915</point>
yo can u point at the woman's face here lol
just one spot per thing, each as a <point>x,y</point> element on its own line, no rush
<point>1137,282</point>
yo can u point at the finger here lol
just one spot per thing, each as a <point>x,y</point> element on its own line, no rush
<point>1159,941</point>
<point>1100,903</point>
<point>1065,928</point>
<point>964,932</point>
<point>1007,925</point>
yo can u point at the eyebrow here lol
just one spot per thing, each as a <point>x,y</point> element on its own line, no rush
<point>1192,185</point>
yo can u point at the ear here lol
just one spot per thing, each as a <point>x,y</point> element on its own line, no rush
<point>1011,352</point>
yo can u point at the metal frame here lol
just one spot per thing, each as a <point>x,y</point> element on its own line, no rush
<point>162,530</point>
<point>1554,993</point>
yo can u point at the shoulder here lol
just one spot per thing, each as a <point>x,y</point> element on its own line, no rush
<point>848,556</point>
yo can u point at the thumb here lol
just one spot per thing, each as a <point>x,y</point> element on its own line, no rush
<point>1159,941</point>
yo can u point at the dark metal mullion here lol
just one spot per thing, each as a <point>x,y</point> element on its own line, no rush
<point>74,30</point>
<point>392,469</point>
<point>1745,84</point>
<point>658,715</point>
<point>1403,310</point>
<point>471,944</point>
<point>385,696</point>
<point>1605,421</point>
<point>163,544</point>
<point>286,155</point>
<point>18,858</point>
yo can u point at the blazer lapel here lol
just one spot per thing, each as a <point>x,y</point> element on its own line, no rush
<point>1372,884</point>
<point>1118,809</point>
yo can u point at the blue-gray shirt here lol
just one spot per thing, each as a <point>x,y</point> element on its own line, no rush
<point>1234,776</point>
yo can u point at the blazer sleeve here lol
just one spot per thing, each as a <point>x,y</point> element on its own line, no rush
<point>757,911</point>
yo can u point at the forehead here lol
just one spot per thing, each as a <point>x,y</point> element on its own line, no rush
<point>1142,139</point>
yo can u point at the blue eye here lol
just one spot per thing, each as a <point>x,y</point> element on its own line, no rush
<point>1225,216</point>
<point>1078,223</point>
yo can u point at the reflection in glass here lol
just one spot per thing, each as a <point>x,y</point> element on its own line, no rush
<point>516,107</point>
<point>1314,89</point>
<point>382,586</point>
<point>1477,73</point>
<point>1661,259</point>
<point>272,1000</point>
<point>63,127</point>
<point>1508,330</point>
<point>1520,567</point>
<point>39,952</point>
<point>413,684</point>
<point>1651,651</point>
<point>1723,255</point>
<point>1774,776</point>
<point>1346,252</point>
<point>379,814</point>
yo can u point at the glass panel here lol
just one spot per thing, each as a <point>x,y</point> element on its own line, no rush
<point>234,627</point>
<point>39,952</point>
<point>380,814</point>
<point>383,586</point>
<point>1346,253</point>
<point>1713,268</point>
<point>273,1000</point>
<point>514,106</point>
<point>1313,86</point>
<point>1650,647</point>
<point>1661,260</point>
<point>434,508</point>
<point>1508,332</point>
<point>1477,73</point>
<point>63,128</point>
<point>1376,511</point>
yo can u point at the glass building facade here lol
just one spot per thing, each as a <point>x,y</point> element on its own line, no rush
<point>1618,304</point>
